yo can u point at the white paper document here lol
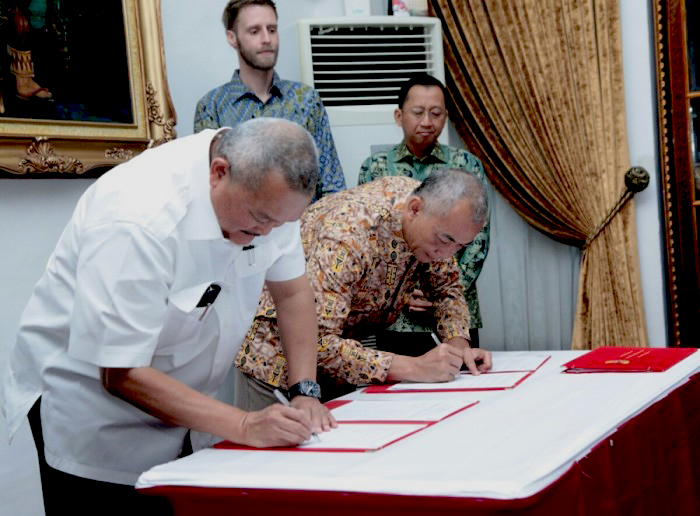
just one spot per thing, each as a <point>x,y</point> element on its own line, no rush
<point>526,361</point>
<point>466,381</point>
<point>360,410</point>
<point>361,436</point>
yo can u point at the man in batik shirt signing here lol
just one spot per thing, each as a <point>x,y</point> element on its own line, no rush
<point>366,249</point>
<point>422,116</point>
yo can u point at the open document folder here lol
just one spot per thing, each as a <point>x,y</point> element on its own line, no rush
<point>507,373</point>
<point>372,425</point>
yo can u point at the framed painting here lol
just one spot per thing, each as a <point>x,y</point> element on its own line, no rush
<point>82,85</point>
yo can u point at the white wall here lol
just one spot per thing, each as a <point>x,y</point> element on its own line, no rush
<point>640,103</point>
<point>33,212</point>
<point>32,215</point>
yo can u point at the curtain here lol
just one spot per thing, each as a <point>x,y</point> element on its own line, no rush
<point>536,91</point>
<point>527,288</point>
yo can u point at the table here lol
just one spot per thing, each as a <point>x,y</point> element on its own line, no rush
<point>574,444</point>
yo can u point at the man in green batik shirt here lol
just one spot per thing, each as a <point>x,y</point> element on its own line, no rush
<point>422,115</point>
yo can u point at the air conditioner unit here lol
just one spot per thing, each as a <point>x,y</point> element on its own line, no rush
<point>357,64</point>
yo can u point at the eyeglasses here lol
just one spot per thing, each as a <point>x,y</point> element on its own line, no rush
<point>433,114</point>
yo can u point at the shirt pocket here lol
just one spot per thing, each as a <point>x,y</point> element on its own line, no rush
<point>183,322</point>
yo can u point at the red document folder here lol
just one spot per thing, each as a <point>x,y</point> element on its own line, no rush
<point>513,377</point>
<point>403,429</point>
<point>406,431</point>
<point>630,360</point>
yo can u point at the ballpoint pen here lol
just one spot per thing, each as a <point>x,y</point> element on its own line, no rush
<point>251,254</point>
<point>437,343</point>
<point>284,401</point>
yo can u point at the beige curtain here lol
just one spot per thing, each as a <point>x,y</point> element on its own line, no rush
<point>537,93</point>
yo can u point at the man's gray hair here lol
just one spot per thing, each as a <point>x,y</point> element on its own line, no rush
<point>442,189</point>
<point>258,146</point>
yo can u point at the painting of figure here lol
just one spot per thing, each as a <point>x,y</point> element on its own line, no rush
<point>64,60</point>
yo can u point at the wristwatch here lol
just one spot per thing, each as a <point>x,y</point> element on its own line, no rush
<point>304,388</point>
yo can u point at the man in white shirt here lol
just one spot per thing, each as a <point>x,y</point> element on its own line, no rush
<point>145,302</point>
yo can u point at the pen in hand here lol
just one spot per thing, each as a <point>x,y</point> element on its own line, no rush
<point>437,343</point>
<point>284,401</point>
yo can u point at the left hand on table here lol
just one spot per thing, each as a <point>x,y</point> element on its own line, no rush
<point>477,360</point>
<point>322,418</point>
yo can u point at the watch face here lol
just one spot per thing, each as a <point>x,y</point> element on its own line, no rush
<point>308,388</point>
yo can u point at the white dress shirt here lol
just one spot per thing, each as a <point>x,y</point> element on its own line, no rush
<point>121,290</point>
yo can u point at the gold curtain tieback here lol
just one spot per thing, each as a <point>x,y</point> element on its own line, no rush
<point>636,180</point>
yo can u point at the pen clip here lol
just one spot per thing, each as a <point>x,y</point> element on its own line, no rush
<point>250,255</point>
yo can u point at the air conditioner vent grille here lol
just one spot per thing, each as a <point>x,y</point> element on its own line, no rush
<point>364,64</point>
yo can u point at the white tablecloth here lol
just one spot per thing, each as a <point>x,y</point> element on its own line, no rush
<point>513,444</point>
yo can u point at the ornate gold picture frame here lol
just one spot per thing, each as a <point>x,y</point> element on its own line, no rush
<point>97,97</point>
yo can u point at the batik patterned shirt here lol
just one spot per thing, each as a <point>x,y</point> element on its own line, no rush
<point>233,103</point>
<point>362,273</point>
<point>398,161</point>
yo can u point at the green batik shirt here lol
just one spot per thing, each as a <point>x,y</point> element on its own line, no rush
<point>398,161</point>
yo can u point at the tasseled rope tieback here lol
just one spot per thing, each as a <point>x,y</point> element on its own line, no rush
<point>636,180</point>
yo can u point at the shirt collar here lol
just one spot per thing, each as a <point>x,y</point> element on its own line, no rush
<point>200,222</point>
<point>240,90</point>
<point>437,155</point>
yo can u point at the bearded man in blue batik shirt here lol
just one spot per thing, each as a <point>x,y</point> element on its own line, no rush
<point>255,90</point>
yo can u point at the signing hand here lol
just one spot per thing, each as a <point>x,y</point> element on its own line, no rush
<point>440,364</point>
<point>276,425</point>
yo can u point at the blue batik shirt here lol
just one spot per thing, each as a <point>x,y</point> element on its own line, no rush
<point>233,103</point>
